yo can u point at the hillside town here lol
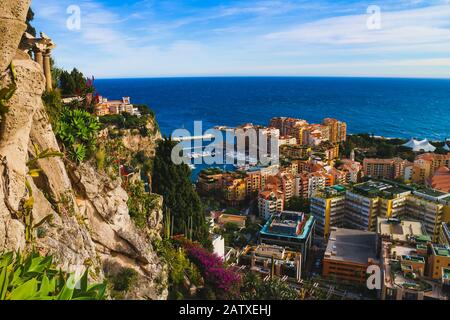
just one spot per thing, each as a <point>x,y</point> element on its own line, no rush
<point>321,218</point>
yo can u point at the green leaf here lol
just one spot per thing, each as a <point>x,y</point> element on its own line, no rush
<point>26,291</point>
<point>67,293</point>
<point>4,282</point>
<point>45,287</point>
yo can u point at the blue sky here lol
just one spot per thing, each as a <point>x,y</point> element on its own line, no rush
<point>153,38</point>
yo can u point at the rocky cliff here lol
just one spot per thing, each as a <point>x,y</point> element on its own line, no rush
<point>72,212</point>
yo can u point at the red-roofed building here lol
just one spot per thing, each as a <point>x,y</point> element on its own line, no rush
<point>440,179</point>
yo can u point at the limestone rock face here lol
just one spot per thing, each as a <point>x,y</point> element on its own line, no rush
<point>80,216</point>
<point>135,142</point>
<point>12,26</point>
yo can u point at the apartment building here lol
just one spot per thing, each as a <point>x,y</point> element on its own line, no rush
<point>308,184</point>
<point>235,189</point>
<point>107,107</point>
<point>329,150</point>
<point>429,206</point>
<point>390,169</point>
<point>271,260</point>
<point>405,273</point>
<point>328,208</point>
<point>438,260</point>
<point>338,130</point>
<point>444,235</point>
<point>270,202</point>
<point>295,152</point>
<point>353,170</point>
<point>292,230</point>
<point>290,127</point>
<point>425,166</point>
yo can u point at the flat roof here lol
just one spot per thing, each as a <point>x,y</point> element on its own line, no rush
<point>352,246</point>
<point>432,192</point>
<point>285,226</point>
<point>399,230</point>
<point>440,250</point>
<point>234,217</point>
<point>379,188</point>
<point>339,188</point>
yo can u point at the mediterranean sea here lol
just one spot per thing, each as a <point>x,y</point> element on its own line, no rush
<point>387,107</point>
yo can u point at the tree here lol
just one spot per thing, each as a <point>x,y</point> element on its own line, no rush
<point>173,182</point>
<point>254,288</point>
<point>299,204</point>
<point>73,83</point>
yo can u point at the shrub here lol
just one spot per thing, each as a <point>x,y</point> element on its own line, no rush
<point>53,105</point>
<point>33,277</point>
<point>78,131</point>
<point>100,156</point>
<point>124,280</point>
<point>140,203</point>
<point>223,281</point>
<point>254,288</point>
<point>179,267</point>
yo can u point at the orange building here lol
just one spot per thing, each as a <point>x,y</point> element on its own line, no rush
<point>385,168</point>
<point>349,253</point>
<point>338,130</point>
<point>440,180</point>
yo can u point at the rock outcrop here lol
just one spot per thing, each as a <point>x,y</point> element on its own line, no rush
<point>79,215</point>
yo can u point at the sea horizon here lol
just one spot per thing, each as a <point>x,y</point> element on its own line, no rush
<point>271,76</point>
<point>387,107</point>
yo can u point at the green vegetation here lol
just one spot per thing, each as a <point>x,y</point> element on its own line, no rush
<point>71,83</point>
<point>299,204</point>
<point>100,157</point>
<point>140,203</point>
<point>373,147</point>
<point>33,277</point>
<point>78,131</point>
<point>174,184</point>
<point>140,160</point>
<point>254,288</point>
<point>232,235</point>
<point>126,121</point>
<point>180,269</point>
<point>232,211</point>
<point>7,93</point>
<point>53,105</point>
<point>124,280</point>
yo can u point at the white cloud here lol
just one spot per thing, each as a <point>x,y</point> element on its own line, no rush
<point>410,42</point>
<point>418,26</point>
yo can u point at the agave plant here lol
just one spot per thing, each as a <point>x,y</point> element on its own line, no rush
<point>78,130</point>
<point>33,277</point>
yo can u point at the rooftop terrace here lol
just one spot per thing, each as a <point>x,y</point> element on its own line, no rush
<point>380,189</point>
<point>289,224</point>
<point>440,250</point>
<point>401,230</point>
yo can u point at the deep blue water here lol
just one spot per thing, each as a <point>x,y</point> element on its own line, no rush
<point>386,107</point>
